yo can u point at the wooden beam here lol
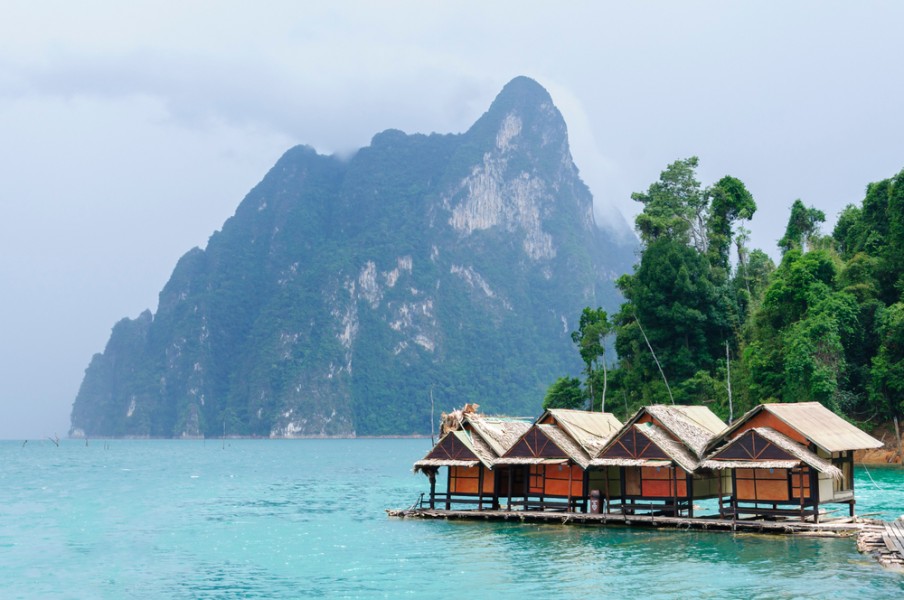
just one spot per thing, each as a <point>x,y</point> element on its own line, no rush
<point>480,470</point>
<point>449,488</point>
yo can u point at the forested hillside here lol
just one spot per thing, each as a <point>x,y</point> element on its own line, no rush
<point>703,324</point>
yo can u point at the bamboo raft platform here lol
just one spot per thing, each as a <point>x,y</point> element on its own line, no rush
<point>883,540</point>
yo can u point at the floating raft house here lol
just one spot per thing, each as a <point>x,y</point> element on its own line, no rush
<point>771,471</point>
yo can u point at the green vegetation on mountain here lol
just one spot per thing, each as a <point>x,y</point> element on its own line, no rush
<point>342,292</point>
<point>826,324</point>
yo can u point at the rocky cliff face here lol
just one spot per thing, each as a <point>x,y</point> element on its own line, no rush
<point>342,294</point>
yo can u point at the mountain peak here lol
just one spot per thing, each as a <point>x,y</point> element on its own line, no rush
<point>526,105</point>
<point>522,93</point>
<point>340,291</point>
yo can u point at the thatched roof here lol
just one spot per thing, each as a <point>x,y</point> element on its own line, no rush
<point>529,460</point>
<point>453,420</point>
<point>426,463</point>
<point>676,451</point>
<point>569,450</point>
<point>499,433</point>
<point>694,426</point>
<point>480,452</point>
<point>487,437</point>
<point>568,444</point>
<point>590,430</point>
<point>814,422</point>
<point>576,434</point>
<point>799,452</point>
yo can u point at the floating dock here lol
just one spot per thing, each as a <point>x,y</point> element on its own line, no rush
<point>881,539</point>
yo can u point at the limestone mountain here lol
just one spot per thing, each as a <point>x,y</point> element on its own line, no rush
<point>343,293</point>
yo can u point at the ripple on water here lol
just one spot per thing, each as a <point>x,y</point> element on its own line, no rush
<point>293,519</point>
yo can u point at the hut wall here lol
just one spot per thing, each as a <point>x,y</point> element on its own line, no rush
<point>726,481</point>
<point>827,489</point>
<point>763,485</point>
<point>795,483</point>
<point>648,418</point>
<point>605,479</point>
<point>845,462</point>
<point>466,480</point>
<point>557,479</point>
<point>536,479</point>
<point>511,480</point>
<point>772,485</point>
<point>764,418</point>
<point>707,484</point>
<point>656,482</point>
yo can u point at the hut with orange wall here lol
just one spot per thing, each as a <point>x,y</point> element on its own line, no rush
<point>547,466</point>
<point>469,444</point>
<point>787,459</point>
<point>656,456</point>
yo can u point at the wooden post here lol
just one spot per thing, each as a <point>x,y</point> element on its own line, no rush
<point>689,483</point>
<point>814,493</point>
<point>721,503</point>
<point>510,469</point>
<point>734,495</point>
<point>800,478</point>
<point>675,512</point>
<point>568,465</point>
<point>432,477</point>
<point>850,457</point>
<point>624,500</point>
<point>480,487</point>
<point>449,488</point>
<point>608,500</point>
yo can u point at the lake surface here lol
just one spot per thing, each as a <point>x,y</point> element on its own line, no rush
<point>305,519</point>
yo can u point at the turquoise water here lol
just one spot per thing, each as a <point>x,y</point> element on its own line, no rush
<point>305,519</point>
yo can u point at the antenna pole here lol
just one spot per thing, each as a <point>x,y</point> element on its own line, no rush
<point>432,417</point>
<point>728,383</point>
<point>654,358</point>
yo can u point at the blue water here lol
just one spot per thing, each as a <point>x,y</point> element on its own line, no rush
<point>305,519</point>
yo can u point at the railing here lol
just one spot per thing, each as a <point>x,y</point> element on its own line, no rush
<point>769,509</point>
<point>654,506</point>
<point>448,501</point>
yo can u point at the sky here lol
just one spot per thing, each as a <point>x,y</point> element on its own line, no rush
<point>130,131</point>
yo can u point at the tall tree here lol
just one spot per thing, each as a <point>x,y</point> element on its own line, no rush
<point>590,337</point>
<point>887,385</point>
<point>566,392</point>
<point>675,207</point>
<point>729,202</point>
<point>682,292</point>
<point>803,226</point>
<point>672,296</point>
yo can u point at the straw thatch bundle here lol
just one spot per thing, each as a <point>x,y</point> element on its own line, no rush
<point>452,421</point>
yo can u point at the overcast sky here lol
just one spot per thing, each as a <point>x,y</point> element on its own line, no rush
<point>131,130</point>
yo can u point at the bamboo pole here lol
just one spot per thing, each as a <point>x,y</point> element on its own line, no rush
<point>661,372</point>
